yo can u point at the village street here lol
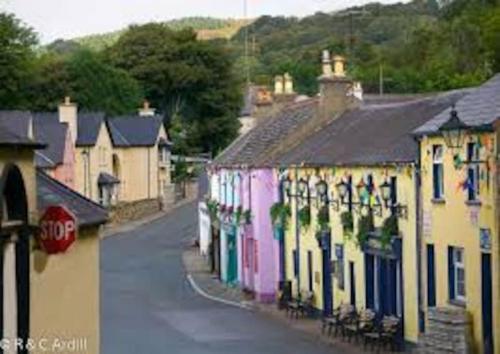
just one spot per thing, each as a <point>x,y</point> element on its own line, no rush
<point>147,305</point>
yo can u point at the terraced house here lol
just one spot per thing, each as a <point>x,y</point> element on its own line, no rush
<point>384,203</point>
<point>460,220</point>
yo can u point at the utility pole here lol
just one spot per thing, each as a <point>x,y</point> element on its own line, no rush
<point>247,61</point>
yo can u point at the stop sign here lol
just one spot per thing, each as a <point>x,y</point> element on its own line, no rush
<point>58,229</point>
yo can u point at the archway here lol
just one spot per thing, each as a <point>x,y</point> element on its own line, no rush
<point>14,256</point>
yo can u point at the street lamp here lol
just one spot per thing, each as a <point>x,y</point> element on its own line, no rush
<point>454,130</point>
<point>287,186</point>
<point>342,190</point>
<point>386,193</point>
<point>303,188</point>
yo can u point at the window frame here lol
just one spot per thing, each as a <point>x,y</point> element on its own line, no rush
<point>459,266</point>
<point>473,170</point>
<point>437,172</point>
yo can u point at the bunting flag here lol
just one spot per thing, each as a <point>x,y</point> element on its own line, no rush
<point>457,162</point>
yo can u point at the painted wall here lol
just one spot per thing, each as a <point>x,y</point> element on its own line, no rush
<point>454,222</point>
<point>142,175</point>
<point>204,229</point>
<point>87,169</point>
<point>352,252</point>
<point>65,172</point>
<point>65,292</point>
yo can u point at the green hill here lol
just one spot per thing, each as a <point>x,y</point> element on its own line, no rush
<point>207,28</point>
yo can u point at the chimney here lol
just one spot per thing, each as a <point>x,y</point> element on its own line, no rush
<point>68,113</point>
<point>146,110</point>
<point>288,84</point>
<point>336,89</point>
<point>278,85</point>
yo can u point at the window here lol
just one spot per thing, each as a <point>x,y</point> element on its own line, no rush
<point>472,171</point>
<point>456,270</point>
<point>437,172</point>
<point>339,252</point>
<point>162,154</point>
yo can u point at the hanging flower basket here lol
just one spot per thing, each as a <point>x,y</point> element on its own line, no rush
<point>365,226</point>
<point>280,214</point>
<point>390,229</point>
<point>347,222</point>
<point>304,216</point>
<point>323,218</point>
<point>247,216</point>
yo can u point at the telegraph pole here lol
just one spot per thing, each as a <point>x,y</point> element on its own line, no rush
<point>247,61</point>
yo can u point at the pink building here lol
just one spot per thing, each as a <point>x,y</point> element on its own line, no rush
<point>58,158</point>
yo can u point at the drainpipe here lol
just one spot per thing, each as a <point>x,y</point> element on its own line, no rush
<point>149,173</point>
<point>419,250</point>
<point>297,231</point>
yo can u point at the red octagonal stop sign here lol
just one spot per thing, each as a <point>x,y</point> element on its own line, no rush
<point>58,229</point>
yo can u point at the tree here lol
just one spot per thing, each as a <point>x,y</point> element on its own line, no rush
<point>88,79</point>
<point>185,77</point>
<point>16,57</point>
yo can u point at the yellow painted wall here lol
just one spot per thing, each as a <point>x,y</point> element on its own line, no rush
<point>451,224</point>
<point>135,162</point>
<point>23,159</point>
<point>65,293</point>
<point>406,196</point>
<point>100,156</point>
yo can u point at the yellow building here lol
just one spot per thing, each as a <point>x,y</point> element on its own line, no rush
<point>460,213</point>
<point>47,301</point>
<point>141,157</point>
<point>367,253</point>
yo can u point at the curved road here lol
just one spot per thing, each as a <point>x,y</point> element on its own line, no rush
<point>147,305</point>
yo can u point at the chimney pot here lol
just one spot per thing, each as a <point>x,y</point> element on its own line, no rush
<point>278,85</point>
<point>327,64</point>
<point>339,66</point>
<point>146,110</point>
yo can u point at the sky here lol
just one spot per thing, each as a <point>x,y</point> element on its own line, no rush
<point>54,19</point>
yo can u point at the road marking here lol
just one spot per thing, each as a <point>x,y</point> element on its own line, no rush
<point>201,292</point>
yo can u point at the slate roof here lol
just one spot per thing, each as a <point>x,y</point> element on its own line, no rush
<point>251,148</point>
<point>372,134</point>
<point>134,131</point>
<point>89,125</point>
<point>51,132</point>
<point>14,129</point>
<point>51,192</point>
<point>481,108</point>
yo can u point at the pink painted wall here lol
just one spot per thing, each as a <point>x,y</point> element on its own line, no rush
<point>65,173</point>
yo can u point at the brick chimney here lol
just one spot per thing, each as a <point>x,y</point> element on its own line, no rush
<point>288,84</point>
<point>68,113</point>
<point>279,88</point>
<point>336,88</point>
<point>146,110</point>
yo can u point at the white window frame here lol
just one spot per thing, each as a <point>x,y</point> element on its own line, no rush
<point>437,159</point>
<point>459,265</point>
<point>474,167</point>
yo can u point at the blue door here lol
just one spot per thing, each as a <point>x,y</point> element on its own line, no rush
<point>431,277</point>
<point>487,305</point>
<point>232,258</point>
<point>370,281</point>
<point>352,282</point>
<point>327,276</point>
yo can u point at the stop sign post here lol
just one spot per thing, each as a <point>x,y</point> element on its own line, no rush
<point>58,229</point>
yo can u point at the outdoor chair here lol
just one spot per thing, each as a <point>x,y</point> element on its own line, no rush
<point>386,333</point>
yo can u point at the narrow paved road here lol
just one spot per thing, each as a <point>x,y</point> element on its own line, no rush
<point>148,307</point>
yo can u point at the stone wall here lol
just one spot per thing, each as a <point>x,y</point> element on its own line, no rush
<point>448,331</point>
<point>124,212</point>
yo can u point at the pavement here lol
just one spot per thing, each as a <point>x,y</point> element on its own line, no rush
<point>148,305</point>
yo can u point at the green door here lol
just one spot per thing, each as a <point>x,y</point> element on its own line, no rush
<point>232,261</point>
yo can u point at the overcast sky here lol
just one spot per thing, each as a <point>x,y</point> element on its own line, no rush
<point>54,19</point>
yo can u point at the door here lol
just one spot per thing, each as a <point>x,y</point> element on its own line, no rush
<point>370,281</point>
<point>232,258</point>
<point>487,305</point>
<point>216,251</point>
<point>388,286</point>
<point>327,277</point>
<point>352,282</point>
<point>431,277</point>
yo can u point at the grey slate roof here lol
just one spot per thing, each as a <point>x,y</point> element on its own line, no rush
<point>251,148</point>
<point>48,130</point>
<point>133,131</point>
<point>478,109</point>
<point>51,192</point>
<point>89,125</point>
<point>14,129</point>
<point>370,135</point>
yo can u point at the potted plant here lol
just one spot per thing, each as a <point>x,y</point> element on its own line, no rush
<point>237,214</point>
<point>390,228</point>
<point>323,218</point>
<point>304,216</point>
<point>247,216</point>
<point>365,226</point>
<point>280,213</point>
<point>347,222</point>
<point>212,207</point>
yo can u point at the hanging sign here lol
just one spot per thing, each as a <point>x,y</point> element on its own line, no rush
<point>58,229</point>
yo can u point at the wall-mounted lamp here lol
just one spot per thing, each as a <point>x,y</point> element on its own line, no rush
<point>454,131</point>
